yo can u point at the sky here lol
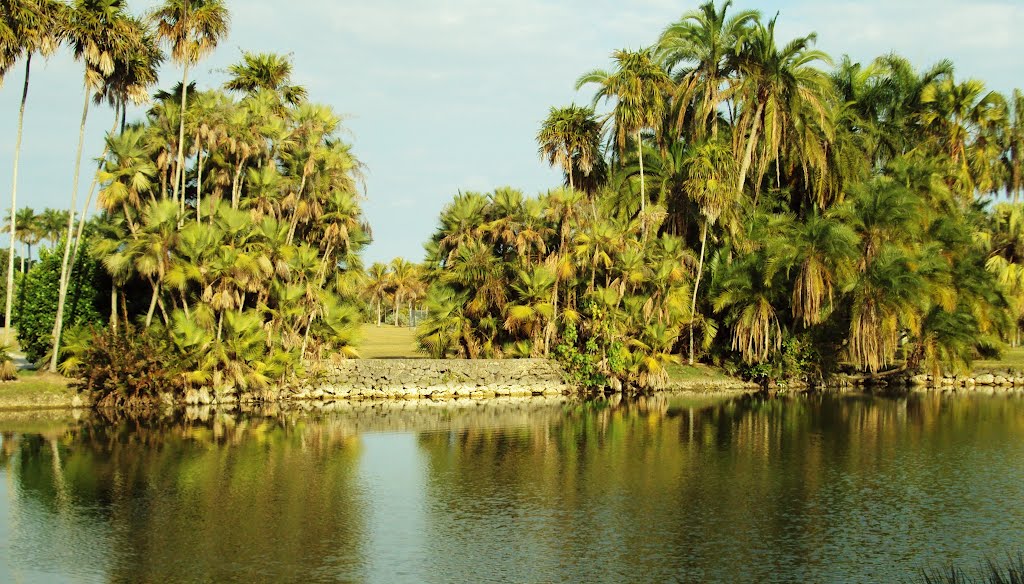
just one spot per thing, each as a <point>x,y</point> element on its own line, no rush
<point>447,95</point>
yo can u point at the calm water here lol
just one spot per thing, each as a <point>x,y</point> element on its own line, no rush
<point>820,489</point>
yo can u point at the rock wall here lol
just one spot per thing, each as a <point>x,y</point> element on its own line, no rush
<point>988,381</point>
<point>431,378</point>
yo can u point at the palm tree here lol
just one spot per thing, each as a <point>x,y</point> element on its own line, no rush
<point>403,280</point>
<point>26,27</point>
<point>957,114</point>
<point>777,85</point>
<point>570,137</point>
<point>711,173</point>
<point>127,175</point>
<point>265,71</point>
<point>700,51</point>
<point>638,86</point>
<point>534,310</point>
<point>192,28</point>
<point>100,34</point>
<point>1013,145</point>
<point>27,231</point>
<point>825,252</point>
<point>377,283</point>
<point>753,316</point>
<point>51,224</point>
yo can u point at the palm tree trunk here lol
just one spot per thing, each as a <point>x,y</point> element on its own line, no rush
<point>9,305</point>
<point>568,158</point>
<point>295,214</point>
<point>113,308</point>
<point>696,285</point>
<point>643,195</point>
<point>199,184</point>
<point>236,186</point>
<point>92,190</point>
<point>410,312</point>
<point>65,276</point>
<point>152,302</point>
<point>748,153</point>
<point>398,303</point>
<point>179,170</point>
<point>554,318</point>
<point>378,312</point>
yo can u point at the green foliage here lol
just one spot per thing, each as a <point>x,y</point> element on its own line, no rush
<point>126,365</point>
<point>580,364</point>
<point>36,303</point>
<point>797,360</point>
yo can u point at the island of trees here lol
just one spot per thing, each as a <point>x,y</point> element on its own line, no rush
<point>729,197</point>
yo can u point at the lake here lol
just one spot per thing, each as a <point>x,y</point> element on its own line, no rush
<point>826,488</point>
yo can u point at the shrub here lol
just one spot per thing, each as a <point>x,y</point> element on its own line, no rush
<point>8,370</point>
<point>581,366</point>
<point>37,301</point>
<point>129,365</point>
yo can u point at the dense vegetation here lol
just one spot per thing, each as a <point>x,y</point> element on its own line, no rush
<point>229,225</point>
<point>748,201</point>
<point>739,200</point>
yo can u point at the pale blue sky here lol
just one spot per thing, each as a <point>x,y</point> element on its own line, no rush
<point>447,95</point>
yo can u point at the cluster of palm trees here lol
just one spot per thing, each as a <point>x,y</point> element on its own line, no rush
<point>507,270</point>
<point>838,208</point>
<point>399,284</point>
<point>229,218</point>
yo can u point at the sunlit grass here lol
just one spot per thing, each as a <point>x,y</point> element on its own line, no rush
<point>34,387</point>
<point>388,342</point>
<point>1011,359</point>
<point>697,372</point>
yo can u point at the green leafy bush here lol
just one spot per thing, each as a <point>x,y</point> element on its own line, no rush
<point>581,365</point>
<point>37,301</point>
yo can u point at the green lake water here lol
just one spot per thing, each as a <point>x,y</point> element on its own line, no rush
<point>809,489</point>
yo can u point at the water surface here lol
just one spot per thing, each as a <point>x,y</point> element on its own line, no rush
<point>826,488</point>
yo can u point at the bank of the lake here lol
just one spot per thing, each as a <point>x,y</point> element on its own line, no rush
<point>379,379</point>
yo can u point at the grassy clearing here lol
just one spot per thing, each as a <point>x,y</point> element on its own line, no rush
<point>1012,359</point>
<point>697,372</point>
<point>34,389</point>
<point>388,342</point>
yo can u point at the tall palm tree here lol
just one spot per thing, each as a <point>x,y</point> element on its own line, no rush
<point>100,34</point>
<point>26,27</point>
<point>1013,145</point>
<point>699,51</point>
<point>192,28</point>
<point>403,280</point>
<point>638,86</point>
<point>377,283</point>
<point>711,172</point>
<point>135,71</point>
<point>958,117</point>
<point>778,84</point>
<point>51,224</point>
<point>570,138</point>
<point>28,232</point>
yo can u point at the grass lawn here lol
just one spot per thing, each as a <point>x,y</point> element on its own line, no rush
<point>684,372</point>
<point>35,389</point>
<point>1012,359</point>
<point>388,342</point>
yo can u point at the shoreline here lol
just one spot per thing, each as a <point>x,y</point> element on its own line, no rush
<point>373,381</point>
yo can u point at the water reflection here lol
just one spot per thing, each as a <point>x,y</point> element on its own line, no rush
<point>824,488</point>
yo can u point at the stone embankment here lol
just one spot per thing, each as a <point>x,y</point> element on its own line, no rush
<point>357,379</point>
<point>987,381</point>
